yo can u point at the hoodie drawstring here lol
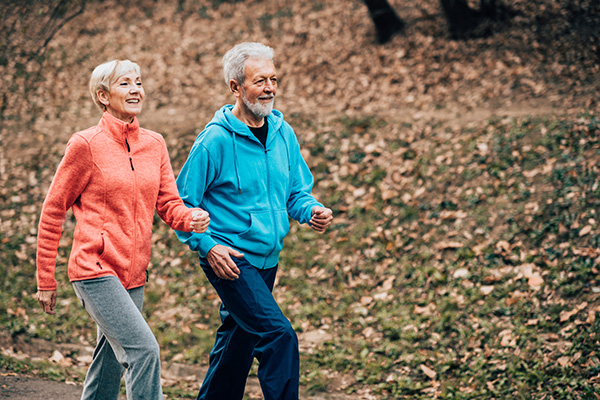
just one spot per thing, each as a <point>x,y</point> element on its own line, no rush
<point>235,163</point>
<point>287,149</point>
<point>235,159</point>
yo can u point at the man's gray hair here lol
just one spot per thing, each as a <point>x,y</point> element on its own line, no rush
<point>234,61</point>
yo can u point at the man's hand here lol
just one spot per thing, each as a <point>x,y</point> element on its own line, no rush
<point>47,299</point>
<point>321,218</point>
<point>200,220</point>
<point>219,258</point>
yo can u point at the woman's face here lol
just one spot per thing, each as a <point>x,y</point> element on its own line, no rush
<point>125,98</point>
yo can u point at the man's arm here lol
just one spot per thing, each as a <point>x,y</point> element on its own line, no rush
<point>300,202</point>
<point>192,182</point>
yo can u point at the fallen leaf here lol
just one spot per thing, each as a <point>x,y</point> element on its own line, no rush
<point>427,310</point>
<point>461,273</point>
<point>365,300</point>
<point>507,339</point>
<point>563,361</point>
<point>585,230</point>
<point>486,290</point>
<point>448,245</point>
<point>566,315</point>
<point>535,281</point>
<point>428,371</point>
<point>388,283</point>
<point>514,298</point>
<point>56,357</point>
<point>591,317</point>
<point>503,245</point>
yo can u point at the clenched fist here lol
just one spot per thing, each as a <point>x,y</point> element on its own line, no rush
<point>200,220</point>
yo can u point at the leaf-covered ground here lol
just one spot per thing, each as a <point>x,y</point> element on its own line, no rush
<point>463,260</point>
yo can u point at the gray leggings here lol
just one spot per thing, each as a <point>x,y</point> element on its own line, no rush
<point>125,342</point>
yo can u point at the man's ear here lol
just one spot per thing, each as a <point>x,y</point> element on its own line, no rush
<point>235,87</point>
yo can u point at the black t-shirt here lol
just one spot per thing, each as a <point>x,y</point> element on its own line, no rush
<point>261,133</point>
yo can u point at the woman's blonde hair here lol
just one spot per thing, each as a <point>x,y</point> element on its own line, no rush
<point>106,74</point>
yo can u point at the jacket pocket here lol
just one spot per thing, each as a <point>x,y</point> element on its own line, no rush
<point>101,248</point>
<point>265,235</point>
<point>100,251</point>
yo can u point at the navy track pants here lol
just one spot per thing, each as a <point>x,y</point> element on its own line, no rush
<point>252,326</point>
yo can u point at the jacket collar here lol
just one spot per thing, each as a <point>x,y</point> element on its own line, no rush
<point>119,130</point>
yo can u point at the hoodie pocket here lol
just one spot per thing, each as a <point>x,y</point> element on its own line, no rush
<point>265,235</point>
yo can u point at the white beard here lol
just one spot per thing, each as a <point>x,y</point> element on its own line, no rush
<point>258,109</point>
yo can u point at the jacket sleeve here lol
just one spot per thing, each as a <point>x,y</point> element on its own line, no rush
<point>169,206</point>
<point>71,178</point>
<point>300,202</point>
<point>192,182</point>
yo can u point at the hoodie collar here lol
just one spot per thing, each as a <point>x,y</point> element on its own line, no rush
<point>224,117</point>
<point>119,130</point>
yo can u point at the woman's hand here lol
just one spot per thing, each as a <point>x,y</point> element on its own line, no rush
<point>200,220</point>
<point>47,299</point>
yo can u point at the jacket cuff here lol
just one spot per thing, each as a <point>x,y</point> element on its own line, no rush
<point>47,287</point>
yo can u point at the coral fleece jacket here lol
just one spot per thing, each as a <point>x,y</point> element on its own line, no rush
<point>114,175</point>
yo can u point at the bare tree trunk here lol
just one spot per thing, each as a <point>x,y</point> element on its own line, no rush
<point>461,18</point>
<point>386,20</point>
<point>489,9</point>
<point>463,21</point>
<point>29,25</point>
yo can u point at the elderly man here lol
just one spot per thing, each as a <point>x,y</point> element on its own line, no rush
<point>245,168</point>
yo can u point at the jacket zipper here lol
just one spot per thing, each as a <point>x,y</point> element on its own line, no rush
<point>132,265</point>
<point>129,153</point>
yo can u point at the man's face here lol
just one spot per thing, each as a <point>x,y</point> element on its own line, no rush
<point>260,86</point>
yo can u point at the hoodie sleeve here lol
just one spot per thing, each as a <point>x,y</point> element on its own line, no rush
<point>71,178</point>
<point>300,202</point>
<point>169,205</point>
<point>192,182</point>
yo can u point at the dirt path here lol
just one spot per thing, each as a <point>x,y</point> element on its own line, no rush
<point>15,386</point>
<point>23,387</point>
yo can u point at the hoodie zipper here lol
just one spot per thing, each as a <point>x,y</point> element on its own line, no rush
<point>269,192</point>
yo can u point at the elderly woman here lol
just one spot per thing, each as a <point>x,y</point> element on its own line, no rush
<point>114,175</point>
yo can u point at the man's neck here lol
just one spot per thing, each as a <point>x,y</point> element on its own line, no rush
<point>248,118</point>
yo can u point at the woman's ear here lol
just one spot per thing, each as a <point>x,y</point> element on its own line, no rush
<point>103,97</point>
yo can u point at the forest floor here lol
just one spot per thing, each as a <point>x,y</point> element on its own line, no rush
<point>464,260</point>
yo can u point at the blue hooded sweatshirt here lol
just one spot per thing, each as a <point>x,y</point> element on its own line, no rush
<point>248,189</point>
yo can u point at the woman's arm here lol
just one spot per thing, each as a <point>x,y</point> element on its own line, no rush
<point>171,208</point>
<point>71,178</point>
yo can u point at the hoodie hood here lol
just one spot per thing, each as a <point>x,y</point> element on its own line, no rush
<point>225,119</point>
